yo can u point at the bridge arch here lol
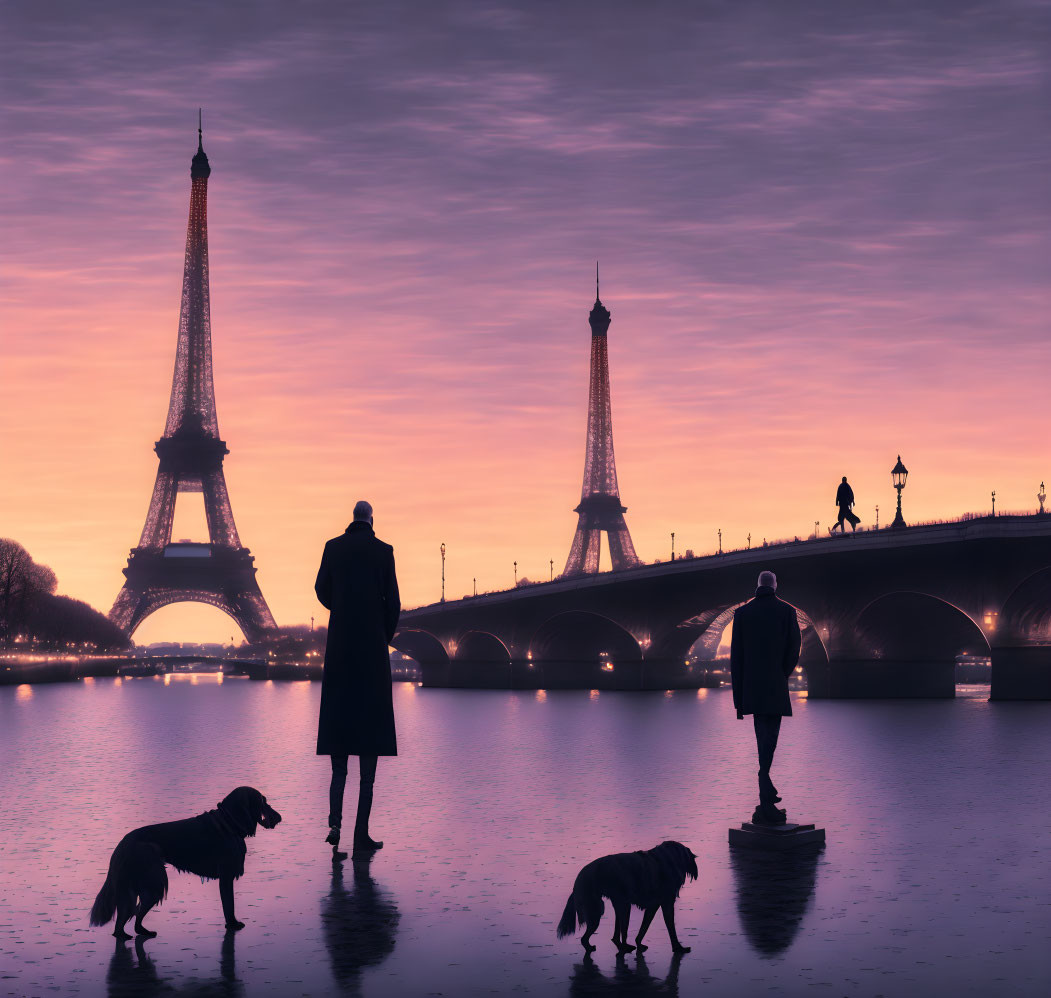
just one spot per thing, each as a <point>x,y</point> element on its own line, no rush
<point>482,646</point>
<point>578,648</point>
<point>910,626</point>
<point>902,644</point>
<point>1026,613</point>
<point>699,637</point>
<point>421,646</point>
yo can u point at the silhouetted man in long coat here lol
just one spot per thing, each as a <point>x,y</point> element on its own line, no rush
<point>764,649</point>
<point>357,583</point>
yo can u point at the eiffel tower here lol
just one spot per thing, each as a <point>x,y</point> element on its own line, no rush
<point>600,509</point>
<point>220,573</point>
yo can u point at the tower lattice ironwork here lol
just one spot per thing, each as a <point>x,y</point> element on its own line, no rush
<point>220,573</point>
<point>600,508</point>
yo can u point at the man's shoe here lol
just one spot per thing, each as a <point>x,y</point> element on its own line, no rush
<point>768,792</point>
<point>363,843</point>
<point>333,836</point>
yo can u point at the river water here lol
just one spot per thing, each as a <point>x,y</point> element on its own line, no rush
<point>934,881</point>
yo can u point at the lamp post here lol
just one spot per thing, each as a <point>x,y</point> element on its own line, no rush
<point>673,545</point>
<point>817,523</point>
<point>720,540</point>
<point>551,562</point>
<point>475,581</point>
<point>994,502</point>
<point>443,573</point>
<point>749,542</point>
<point>516,574</point>
<point>877,517</point>
<point>1041,496</point>
<point>899,473</point>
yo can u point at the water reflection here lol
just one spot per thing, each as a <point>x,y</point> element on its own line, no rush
<point>137,977</point>
<point>773,891</point>
<point>628,978</point>
<point>359,925</point>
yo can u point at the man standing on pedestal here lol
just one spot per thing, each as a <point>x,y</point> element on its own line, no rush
<point>764,649</point>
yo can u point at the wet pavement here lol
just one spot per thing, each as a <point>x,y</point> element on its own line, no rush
<point>934,880</point>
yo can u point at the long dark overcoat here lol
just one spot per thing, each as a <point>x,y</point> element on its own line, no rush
<point>764,649</point>
<point>357,583</point>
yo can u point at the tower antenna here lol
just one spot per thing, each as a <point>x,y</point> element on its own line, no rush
<point>596,281</point>
<point>200,136</point>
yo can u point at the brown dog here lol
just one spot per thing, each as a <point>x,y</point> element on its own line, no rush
<point>647,880</point>
<point>211,845</point>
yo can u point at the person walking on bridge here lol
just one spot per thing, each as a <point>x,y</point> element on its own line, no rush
<point>844,500</point>
<point>764,649</point>
<point>358,585</point>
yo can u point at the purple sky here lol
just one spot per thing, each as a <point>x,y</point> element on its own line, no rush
<point>823,230</point>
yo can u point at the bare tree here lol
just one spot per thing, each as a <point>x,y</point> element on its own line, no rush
<point>22,581</point>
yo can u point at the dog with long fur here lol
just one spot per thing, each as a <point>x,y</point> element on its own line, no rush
<point>648,880</point>
<point>212,845</point>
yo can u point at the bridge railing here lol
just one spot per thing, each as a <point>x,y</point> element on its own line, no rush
<point>779,542</point>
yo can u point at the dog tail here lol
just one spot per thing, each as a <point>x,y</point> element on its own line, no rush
<point>105,905</point>
<point>567,926</point>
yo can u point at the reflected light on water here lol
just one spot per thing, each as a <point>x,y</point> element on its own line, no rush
<point>702,693</point>
<point>593,694</point>
<point>24,692</point>
<point>167,679</point>
<point>89,680</point>
<point>541,696</point>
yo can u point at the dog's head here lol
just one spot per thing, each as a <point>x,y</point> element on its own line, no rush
<point>677,860</point>
<point>246,807</point>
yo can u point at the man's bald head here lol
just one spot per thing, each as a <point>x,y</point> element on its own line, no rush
<point>768,579</point>
<point>362,511</point>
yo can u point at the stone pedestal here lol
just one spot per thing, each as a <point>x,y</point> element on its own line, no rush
<point>776,838</point>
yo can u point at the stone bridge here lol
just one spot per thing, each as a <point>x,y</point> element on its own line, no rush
<point>884,614</point>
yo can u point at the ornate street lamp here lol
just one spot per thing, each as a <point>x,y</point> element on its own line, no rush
<point>720,540</point>
<point>443,573</point>
<point>994,502</point>
<point>898,475</point>
<point>877,517</point>
<point>673,545</point>
<point>551,562</point>
<point>516,574</point>
<point>1041,496</point>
